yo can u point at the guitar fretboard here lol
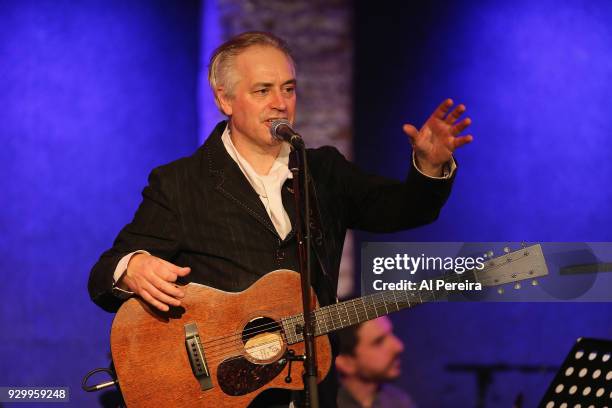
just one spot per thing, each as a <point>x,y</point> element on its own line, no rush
<point>344,314</point>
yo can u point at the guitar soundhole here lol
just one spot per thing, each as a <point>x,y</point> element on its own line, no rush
<point>263,340</point>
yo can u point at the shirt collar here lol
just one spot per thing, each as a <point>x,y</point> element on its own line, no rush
<point>279,171</point>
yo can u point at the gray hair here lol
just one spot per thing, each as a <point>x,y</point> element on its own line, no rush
<point>221,66</point>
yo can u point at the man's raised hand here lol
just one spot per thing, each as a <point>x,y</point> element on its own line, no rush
<point>435,142</point>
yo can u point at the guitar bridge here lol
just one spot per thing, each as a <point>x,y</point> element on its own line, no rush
<point>195,351</point>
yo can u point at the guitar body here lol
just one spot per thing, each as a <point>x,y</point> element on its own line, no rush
<point>242,344</point>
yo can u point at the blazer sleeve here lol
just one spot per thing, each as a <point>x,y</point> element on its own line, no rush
<point>380,204</point>
<point>154,228</point>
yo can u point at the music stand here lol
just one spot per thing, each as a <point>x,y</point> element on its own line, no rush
<point>585,378</point>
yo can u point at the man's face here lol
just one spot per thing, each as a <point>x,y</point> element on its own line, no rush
<point>264,91</point>
<point>377,354</point>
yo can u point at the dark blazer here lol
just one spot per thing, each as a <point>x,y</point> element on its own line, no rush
<point>200,211</point>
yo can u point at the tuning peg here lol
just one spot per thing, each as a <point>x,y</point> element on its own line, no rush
<point>506,249</point>
<point>523,245</point>
<point>534,282</point>
<point>500,291</point>
<point>490,254</point>
<point>517,285</point>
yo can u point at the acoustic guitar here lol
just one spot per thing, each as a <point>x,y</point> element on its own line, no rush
<point>221,349</point>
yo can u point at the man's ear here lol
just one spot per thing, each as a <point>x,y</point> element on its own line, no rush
<point>345,364</point>
<point>225,103</point>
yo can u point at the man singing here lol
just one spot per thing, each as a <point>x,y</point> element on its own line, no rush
<point>224,216</point>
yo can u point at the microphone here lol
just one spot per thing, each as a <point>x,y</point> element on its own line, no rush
<point>281,130</point>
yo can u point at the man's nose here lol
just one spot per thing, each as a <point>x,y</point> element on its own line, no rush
<point>398,344</point>
<point>278,101</point>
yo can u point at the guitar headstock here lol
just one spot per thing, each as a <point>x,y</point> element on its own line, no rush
<point>526,263</point>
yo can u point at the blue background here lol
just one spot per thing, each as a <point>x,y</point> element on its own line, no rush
<point>536,79</point>
<point>95,94</point>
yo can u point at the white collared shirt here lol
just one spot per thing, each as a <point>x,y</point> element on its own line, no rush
<point>268,186</point>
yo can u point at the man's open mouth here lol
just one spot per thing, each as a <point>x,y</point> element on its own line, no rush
<point>268,122</point>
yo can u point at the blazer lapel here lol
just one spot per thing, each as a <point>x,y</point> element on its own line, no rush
<point>230,181</point>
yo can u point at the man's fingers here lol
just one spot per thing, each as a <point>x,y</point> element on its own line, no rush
<point>153,281</point>
<point>180,271</point>
<point>184,271</point>
<point>170,272</point>
<point>411,131</point>
<point>455,114</point>
<point>160,296</point>
<point>169,288</point>
<point>442,110</point>
<point>460,141</point>
<point>152,301</point>
<point>461,126</point>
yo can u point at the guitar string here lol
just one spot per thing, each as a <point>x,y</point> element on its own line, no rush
<point>318,315</point>
<point>269,325</point>
<point>218,357</point>
<point>236,346</point>
<point>448,277</point>
<point>226,357</point>
<point>233,342</point>
<point>326,311</point>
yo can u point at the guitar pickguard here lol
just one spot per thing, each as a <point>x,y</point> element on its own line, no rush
<point>238,376</point>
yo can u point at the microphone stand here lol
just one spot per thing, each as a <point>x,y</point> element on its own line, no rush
<point>300,174</point>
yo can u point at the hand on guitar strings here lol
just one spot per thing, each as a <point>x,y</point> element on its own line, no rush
<point>152,279</point>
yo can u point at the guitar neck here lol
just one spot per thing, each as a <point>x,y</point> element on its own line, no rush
<point>339,315</point>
